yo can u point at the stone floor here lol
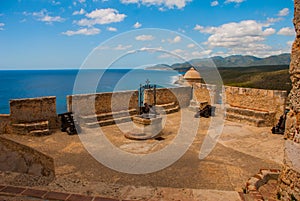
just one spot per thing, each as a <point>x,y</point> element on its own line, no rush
<point>239,153</point>
<point>13,193</point>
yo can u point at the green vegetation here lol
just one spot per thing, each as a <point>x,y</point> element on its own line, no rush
<point>241,71</point>
<point>263,77</point>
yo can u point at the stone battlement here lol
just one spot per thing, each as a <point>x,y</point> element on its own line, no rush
<point>256,99</point>
<point>37,111</point>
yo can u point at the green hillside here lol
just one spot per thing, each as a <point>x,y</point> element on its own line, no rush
<point>263,77</point>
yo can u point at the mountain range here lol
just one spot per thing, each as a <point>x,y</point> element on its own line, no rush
<point>230,61</point>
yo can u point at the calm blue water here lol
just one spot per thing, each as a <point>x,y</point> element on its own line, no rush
<point>60,83</point>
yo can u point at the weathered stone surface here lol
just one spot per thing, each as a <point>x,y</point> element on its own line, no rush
<point>204,92</point>
<point>289,179</point>
<point>256,99</point>
<point>34,110</point>
<point>249,116</point>
<point>15,157</point>
<point>180,95</point>
<point>292,153</point>
<point>91,104</point>
<point>4,123</point>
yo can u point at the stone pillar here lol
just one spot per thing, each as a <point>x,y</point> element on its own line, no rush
<point>289,180</point>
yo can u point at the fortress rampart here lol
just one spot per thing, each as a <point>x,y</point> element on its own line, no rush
<point>40,113</point>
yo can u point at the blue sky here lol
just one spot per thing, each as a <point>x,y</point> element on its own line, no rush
<point>45,34</point>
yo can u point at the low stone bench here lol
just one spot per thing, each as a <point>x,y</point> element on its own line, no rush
<point>259,118</point>
<point>31,128</point>
<point>109,118</point>
<point>167,108</point>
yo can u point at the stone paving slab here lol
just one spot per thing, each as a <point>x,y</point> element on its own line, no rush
<point>79,198</point>
<point>160,194</point>
<point>56,196</point>
<point>34,193</point>
<point>13,190</point>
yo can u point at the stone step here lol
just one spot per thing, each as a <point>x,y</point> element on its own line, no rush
<point>172,110</point>
<point>26,128</point>
<point>107,116</point>
<point>108,122</point>
<point>168,110</point>
<point>166,105</point>
<point>246,119</point>
<point>249,112</point>
<point>40,132</point>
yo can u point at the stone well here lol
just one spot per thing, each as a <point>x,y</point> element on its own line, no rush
<point>147,127</point>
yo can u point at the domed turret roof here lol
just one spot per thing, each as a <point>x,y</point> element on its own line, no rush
<point>192,74</point>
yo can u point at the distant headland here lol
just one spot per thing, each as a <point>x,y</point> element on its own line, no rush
<point>230,61</point>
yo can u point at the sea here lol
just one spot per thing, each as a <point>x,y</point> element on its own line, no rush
<point>16,84</point>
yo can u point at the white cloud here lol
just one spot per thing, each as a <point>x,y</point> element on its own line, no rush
<point>178,51</point>
<point>184,54</point>
<point>181,30</point>
<point>191,45</point>
<point>79,12</point>
<point>81,1</point>
<point>286,31</point>
<point>55,3</point>
<point>122,47</point>
<point>144,37</point>
<point>129,1</point>
<point>84,31</point>
<point>170,4</point>
<point>269,31</point>
<point>205,53</point>
<point>234,1</point>
<point>283,12</point>
<point>44,16</point>
<point>202,29</point>
<point>244,37</point>
<point>273,20</point>
<point>214,3</point>
<point>176,39</point>
<point>1,26</point>
<point>113,29</point>
<point>289,44</point>
<point>50,19</point>
<point>101,16</point>
<point>137,25</point>
<point>233,33</point>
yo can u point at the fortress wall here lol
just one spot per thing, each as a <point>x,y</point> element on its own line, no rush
<point>16,157</point>
<point>289,180</point>
<point>4,123</point>
<point>179,95</point>
<point>33,110</point>
<point>204,93</point>
<point>88,104</point>
<point>257,99</point>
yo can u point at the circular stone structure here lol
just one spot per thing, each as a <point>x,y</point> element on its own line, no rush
<point>150,127</point>
<point>193,76</point>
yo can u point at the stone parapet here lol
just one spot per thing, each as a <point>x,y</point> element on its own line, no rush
<point>16,157</point>
<point>257,99</point>
<point>91,104</point>
<point>34,110</point>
